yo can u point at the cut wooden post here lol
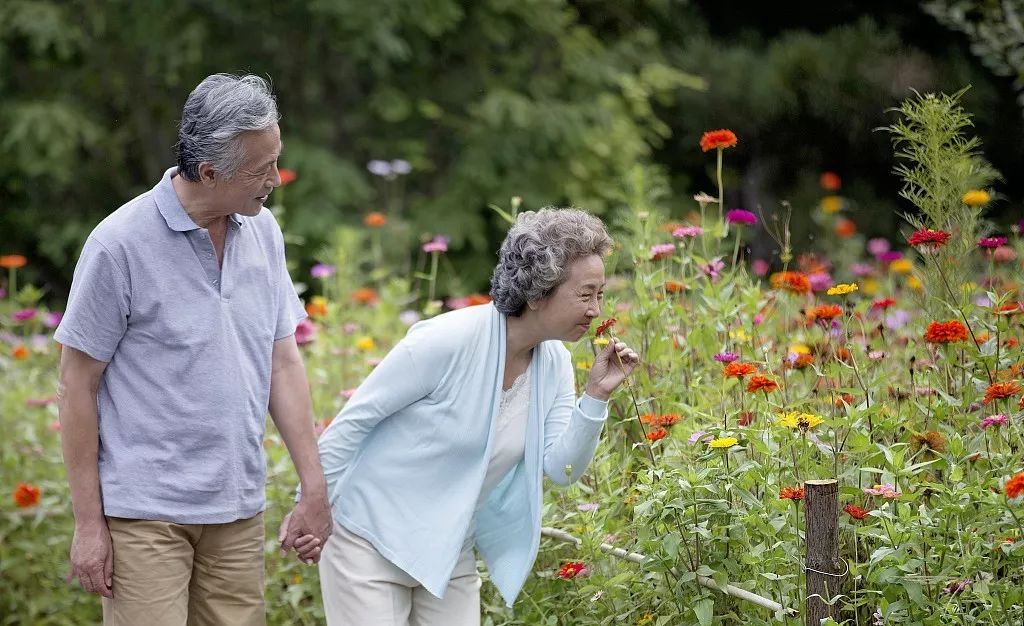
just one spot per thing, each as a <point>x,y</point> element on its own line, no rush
<point>824,569</point>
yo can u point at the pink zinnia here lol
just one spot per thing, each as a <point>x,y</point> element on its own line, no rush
<point>760,266</point>
<point>688,231</point>
<point>890,256</point>
<point>995,420</point>
<point>712,269</point>
<point>437,244</point>
<point>887,491</point>
<point>726,357</point>
<point>662,250</point>
<point>321,270</point>
<point>740,216</point>
<point>820,281</point>
<point>23,315</point>
<point>305,332</point>
<point>991,242</point>
<point>52,319</point>
<point>878,245</point>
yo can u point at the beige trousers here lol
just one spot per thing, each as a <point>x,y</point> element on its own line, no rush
<point>168,574</point>
<point>362,588</point>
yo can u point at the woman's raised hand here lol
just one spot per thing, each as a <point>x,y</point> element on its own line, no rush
<point>611,366</point>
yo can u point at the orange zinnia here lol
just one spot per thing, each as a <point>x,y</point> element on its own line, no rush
<point>653,419</point>
<point>1015,486</point>
<point>722,138</point>
<point>674,286</point>
<point>739,369</point>
<point>1000,391</point>
<point>825,312</point>
<point>15,261</point>
<point>363,295</point>
<point>604,327</point>
<point>946,332</point>
<point>796,282</point>
<point>287,176</point>
<point>317,307</point>
<point>791,493</point>
<point>655,435</point>
<point>761,383</point>
<point>475,299</point>
<point>375,219</point>
<point>845,228</point>
<point>19,352</point>
<point>798,361</point>
<point>26,495</point>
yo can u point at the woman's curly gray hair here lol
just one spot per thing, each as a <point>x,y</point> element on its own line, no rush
<point>537,252</point>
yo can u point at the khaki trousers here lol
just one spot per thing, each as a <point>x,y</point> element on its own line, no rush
<point>362,588</point>
<point>168,574</point>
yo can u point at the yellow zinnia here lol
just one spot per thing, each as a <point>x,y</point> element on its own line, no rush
<point>870,287</point>
<point>842,289</point>
<point>976,197</point>
<point>831,204</point>
<point>799,348</point>
<point>365,343</point>
<point>803,421</point>
<point>584,365</point>
<point>600,341</point>
<point>739,335</point>
<point>723,442</point>
<point>915,283</point>
<point>902,266</point>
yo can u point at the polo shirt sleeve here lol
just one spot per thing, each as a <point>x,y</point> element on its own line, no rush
<point>289,308</point>
<point>96,317</point>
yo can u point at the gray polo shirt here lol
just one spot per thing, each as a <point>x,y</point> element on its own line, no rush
<point>183,400</point>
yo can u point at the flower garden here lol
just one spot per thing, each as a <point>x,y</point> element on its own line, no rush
<point>891,366</point>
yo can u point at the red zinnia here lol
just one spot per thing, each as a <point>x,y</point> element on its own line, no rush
<point>931,239</point>
<point>883,304</point>
<point>739,369</point>
<point>796,282</point>
<point>655,435</point>
<point>573,569</point>
<point>604,327</point>
<point>791,493</point>
<point>287,176</point>
<point>375,219</point>
<point>1010,308</point>
<point>1000,391</point>
<point>365,295</point>
<point>761,383</point>
<point>26,495</point>
<point>653,419</point>
<point>946,332</point>
<point>830,181</point>
<point>1015,486</point>
<point>720,139</point>
<point>855,511</point>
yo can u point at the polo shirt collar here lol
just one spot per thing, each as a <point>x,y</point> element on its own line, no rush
<point>170,206</point>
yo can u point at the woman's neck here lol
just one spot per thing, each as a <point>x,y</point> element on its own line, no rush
<point>522,336</point>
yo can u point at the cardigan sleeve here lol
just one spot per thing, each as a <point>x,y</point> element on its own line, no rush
<point>401,379</point>
<point>572,428</point>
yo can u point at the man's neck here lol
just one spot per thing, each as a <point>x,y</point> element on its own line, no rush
<point>201,213</point>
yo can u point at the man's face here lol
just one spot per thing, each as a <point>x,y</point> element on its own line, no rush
<point>247,191</point>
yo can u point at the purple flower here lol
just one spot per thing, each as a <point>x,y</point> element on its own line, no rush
<point>52,319</point>
<point>890,256</point>
<point>587,506</point>
<point>700,435</point>
<point>400,167</point>
<point>820,281</point>
<point>758,319</point>
<point>726,357</point>
<point>994,420</point>
<point>305,332</point>
<point>760,266</point>
<point>991,242</point>
<point>860,270</point>
<point>740,216</point>
<point>897,319</point>
<point>687,231</point>
<point>437,244</point>
<point>322,270</point>
<point>379,168</point>
<point>956,587</point>
<point>887,491</point>
<point>712,269</point>
<point>23,315</point>
<point>879,246</point>
<point>662,250</point>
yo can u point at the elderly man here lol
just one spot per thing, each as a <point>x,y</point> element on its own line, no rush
<point>178,337</point>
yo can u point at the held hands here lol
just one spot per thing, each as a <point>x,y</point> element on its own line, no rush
<point>306,529</point>
<point>611,366</point>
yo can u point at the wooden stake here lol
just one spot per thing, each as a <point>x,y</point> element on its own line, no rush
<point>824,569</point>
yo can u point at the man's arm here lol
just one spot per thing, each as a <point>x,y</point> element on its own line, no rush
<point>292,412</point>
<point>91,555</point>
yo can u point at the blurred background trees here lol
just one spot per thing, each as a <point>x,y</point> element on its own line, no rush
<point>595,104</point>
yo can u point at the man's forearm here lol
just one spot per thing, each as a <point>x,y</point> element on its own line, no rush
<point>292,412</point>
<point>79,434</point>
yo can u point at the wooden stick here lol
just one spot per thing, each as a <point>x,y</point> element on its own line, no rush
<point>823,567</point>
<point>704,581</point>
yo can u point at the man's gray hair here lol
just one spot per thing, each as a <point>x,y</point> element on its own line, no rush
<point>537,252</point>
<point>218,110</point>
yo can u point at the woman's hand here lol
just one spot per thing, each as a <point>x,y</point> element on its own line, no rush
<point>611,366</point>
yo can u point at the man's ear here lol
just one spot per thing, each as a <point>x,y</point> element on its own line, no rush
<point>207,175</point>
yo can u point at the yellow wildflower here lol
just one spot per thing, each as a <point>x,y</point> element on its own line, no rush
<point>870,287</point>
<point>739,335</point>
<point>976,197</point>
<point>600,341</point>
<point>584,365</point>
<point>842,289</point>
<point>831,204</point>
<point>365,343</point>
<point>902,266</point>
<point>915,283</point>
<point>646,619</point>
<point>723,442</point>
<point>803,421</point>
<point>799,348</point>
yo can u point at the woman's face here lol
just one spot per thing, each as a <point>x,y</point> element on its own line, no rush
<point>567,313</point>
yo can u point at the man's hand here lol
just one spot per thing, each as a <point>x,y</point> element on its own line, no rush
<point>306,529</point>
<point>92,558</point>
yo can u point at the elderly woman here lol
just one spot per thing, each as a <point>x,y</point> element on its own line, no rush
<point>442,447</point>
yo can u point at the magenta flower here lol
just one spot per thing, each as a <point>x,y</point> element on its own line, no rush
<point>887,491</point>
<point>890,256</point>
<point>820,281</point>
<point>860,270</point>
<point>991,242</point>
<point>687,231</point>
<point>23,315</point>
<point>437,244</point>
<point>740,216</point>
<point>713,269</point>
<point>957,587</point>
<point>878,246</point>
<point>760,266</point>
<point>52,319</point>
<point>305,332</point>
<point>726,357</point>
<point>995,420</point>
<point>321,270</point>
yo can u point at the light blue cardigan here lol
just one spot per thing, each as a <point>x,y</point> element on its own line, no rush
<point>405,459</point>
